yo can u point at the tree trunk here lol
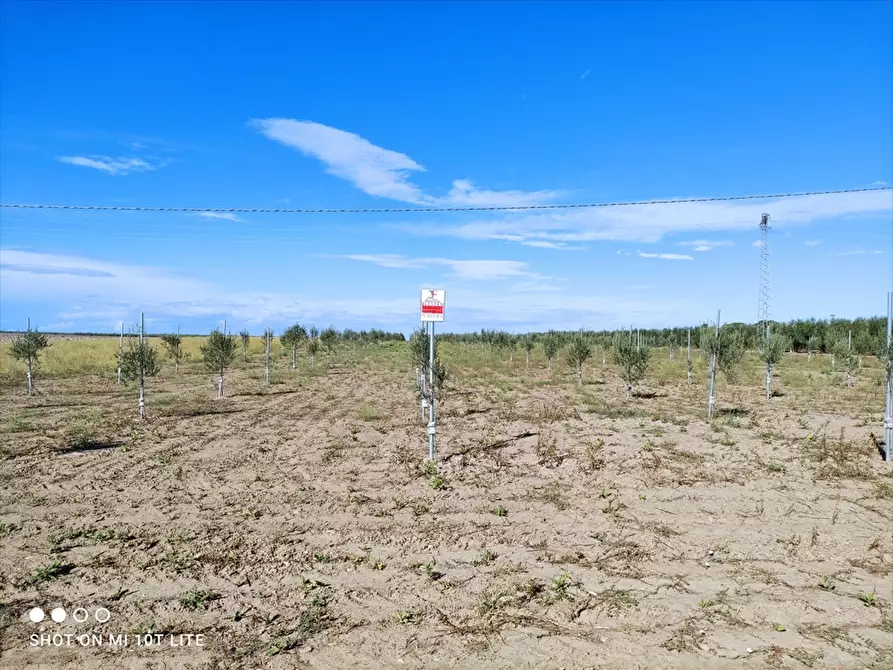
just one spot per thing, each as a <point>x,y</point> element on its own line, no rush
<point>313,360</point>
<point>849,378</point>
<point>604,359</point>
<point>176,367</point>
<point>580,376</point>
<point>30,379</point>
<point>550,365</point>
<point>768,381</point>
<point>808,356</point>
<point>527,362</point>
<point>220,386</point>
<point>142,401</point>
<point>294,356</point>
<point>629,390</point>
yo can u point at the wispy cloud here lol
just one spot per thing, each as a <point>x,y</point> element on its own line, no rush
<point>858,252</point>
<point>650,223</point>
<point>585,74</point>
<point>116,166</point>
<point>706,245</point>
<point>227,216</point>
<point>477,269</point>
<point>382,172</point>
<point>100,301</point>
<point>756,243</point>
<point>666,257</point>
<point>812,243</point>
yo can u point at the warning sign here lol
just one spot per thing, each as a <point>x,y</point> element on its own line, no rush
<point>433,303</point>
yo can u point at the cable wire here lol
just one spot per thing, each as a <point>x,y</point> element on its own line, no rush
<point>407,210</point>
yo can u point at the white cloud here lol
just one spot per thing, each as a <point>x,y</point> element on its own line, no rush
<point>382,172</point>
<point>650,223</point>
<point>666,257</point>
<point>812,243</point>
<point>756,243</point>
<point>858,252</point>
<point>62,325</point>
<point>111,293</point>
<point>706,245</point>
<point>119,166</point>
<point>481,270</point>
<point>226,216</point>
<point>585,74</point>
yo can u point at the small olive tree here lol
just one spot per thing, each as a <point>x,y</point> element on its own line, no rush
<point>632,359</point>
<point>313,349</point>
<point>329,337</point>
<point>723,351</point>
<point>578,352</point>
<point>847,358</point>
<point>528,343</point>
<point>551,346</point>
<point>813,345</point>
<point>219,352</point>
<point>771,351</point>
<point>420,353</point>
<point>173,348</point>
<point>291,338</point>
<point>139,362</point>
<point>27,347</point>
<point>246,338</point>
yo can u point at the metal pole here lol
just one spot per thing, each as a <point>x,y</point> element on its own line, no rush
<point>711,400</point>
<point>120,352</point>
<point>888,419</point>
<point>431,414</point>
<point>689,356</point>
<point>142,402</point>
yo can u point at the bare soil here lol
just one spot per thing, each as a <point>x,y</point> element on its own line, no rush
<point>299,526</point>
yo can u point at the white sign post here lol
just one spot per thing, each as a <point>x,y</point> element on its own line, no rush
<point>432,311</point>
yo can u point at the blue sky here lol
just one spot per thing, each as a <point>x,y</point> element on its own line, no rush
<point>423,104</point>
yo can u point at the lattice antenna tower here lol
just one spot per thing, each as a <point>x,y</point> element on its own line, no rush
<point>765,311</point>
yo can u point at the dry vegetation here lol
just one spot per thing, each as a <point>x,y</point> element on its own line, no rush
<point>298,526</point>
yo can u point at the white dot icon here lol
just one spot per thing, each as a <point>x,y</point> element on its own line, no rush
<point>58,615</point>
<point>36,615</point>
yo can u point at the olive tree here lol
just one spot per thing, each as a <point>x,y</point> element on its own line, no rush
<point>329,337</point>
<point>313,349</point>
<point>846,356</point>
<point>723,351</point>
<point>578,352</point>
<point>173,348</point>
<point>551,346</point>
<point>139,362</point>
<point>291,338</point>
<point>420,353</point>
<point>632,359</point>
<point>813,344</point>
<point>246,338</point>
<point>27,347</point>
<point>771,350</point>
<point>219,352</point>
<point>528,343</point>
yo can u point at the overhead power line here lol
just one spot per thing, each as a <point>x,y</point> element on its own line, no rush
<point>409,210</point>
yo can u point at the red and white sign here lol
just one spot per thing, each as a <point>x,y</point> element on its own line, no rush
<point>433,304</point>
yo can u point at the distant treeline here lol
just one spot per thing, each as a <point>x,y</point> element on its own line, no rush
<point>818,336</point>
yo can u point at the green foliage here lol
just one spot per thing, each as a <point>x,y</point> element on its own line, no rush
<point>528,342</point>
<point>293,336</point>
<point>813,344</point>
<point>219,351</point>
<point>885,354</point>
<point>139,361</point>
<point>773,348</point>
<point>632,360</point>
<point>173,347</point>
<point>728,346</point>
<point>329,337</point>
<point>420,357</point>
<point>313,347</point>
<point>27,346</point>
<point>551,345</point>
<point>578,352</point>
<point>246,338</point>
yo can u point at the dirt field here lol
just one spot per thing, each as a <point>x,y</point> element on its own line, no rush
<point>563,527</point>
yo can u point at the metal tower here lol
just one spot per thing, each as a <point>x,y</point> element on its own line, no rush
<point>765,312</point>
